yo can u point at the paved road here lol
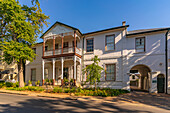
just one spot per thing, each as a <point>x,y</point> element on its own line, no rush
<point>10,103</point>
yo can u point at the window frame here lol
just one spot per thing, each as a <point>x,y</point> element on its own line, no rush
<point>31,74</point>
<point>106,42</point>
<point>114,72</point>
<point>136,45</point>
<point>86,45</point>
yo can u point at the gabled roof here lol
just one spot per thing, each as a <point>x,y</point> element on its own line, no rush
<point>113,28</point>
<point>60,24</point>
<point>142,31</point>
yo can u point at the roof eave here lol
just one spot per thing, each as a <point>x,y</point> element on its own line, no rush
<point>152,31</point>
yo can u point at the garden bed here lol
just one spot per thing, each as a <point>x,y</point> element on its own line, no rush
<point>74,90</point>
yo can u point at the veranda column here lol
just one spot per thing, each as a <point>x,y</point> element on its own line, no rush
<point>53,71</point>
<point>75,42</point>
<point>53,45</point>
<point>62,65</point>
<point>74,69</point>
<point>62,44</point>
<point>43,46</point>
<point>43,71</point>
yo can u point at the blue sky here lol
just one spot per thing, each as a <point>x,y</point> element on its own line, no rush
<point>92,15</point>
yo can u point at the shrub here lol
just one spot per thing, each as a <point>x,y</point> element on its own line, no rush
<point>16,84</point>
<point>28,88</point>
<point>8,84</point>
<point>29,82</point>
<point>57,90</point>
<point>66,90</point>
<point>2,84</point>
<point>37,83</point>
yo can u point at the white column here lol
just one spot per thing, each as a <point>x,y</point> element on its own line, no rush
<point>74,67</point>
<point>53,69</point>
<point>43,71</point>
<point>62,65</point>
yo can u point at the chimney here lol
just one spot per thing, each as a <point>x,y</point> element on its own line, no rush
<point>123,23</point>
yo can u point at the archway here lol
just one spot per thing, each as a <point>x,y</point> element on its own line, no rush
<point>140,78</point>
<point>161,83</point>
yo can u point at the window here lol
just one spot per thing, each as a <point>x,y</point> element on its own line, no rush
<point>110,42</point>
<point>140,44</point>
<point>56,46</point>
<point>89,45</point>
<point>65,44</point>
<point>133,76</point>
<point>34,50</point>
<point>33,74</point>
<point>110,71</point>
<point>46,48</point>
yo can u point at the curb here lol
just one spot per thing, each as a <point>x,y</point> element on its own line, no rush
<point>65,98</point>
<point>13,93</point>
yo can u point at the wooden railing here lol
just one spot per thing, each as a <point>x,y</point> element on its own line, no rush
<point>62,51</point>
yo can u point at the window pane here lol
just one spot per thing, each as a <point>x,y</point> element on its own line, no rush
<point>89,45</point>
<point>110,72</point>
<point>140,44</point>
<point>110,42</point>
<point>33,74</point>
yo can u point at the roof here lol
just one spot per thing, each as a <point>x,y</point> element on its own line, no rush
<point>60,24</point>
<point>113,28</point>
<point>142,31</point>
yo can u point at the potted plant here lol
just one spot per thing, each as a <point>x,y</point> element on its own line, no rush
<point>47,81</point>
<point>29,83</point>
<point>37,83</point>
<point>72,82</point>
<point>66,82</point>
<point>51,81</point>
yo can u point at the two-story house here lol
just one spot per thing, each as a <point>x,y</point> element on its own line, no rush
<point>127,56</point>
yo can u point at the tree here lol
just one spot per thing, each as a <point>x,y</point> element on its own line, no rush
<point>93,71</point>
<point>20,26</point>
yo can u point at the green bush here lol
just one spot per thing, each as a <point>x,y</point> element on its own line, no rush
<point>26,88</point>
<point>9,84</point>
<point>2,84</point>
<point>57,90</point>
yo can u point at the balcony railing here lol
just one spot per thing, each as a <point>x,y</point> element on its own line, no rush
<point>59,51</point>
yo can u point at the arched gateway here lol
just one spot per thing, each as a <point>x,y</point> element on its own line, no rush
<point>140,77</point>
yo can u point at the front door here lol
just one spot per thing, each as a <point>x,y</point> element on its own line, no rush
<point>160,83</point>
<point>65,74</point>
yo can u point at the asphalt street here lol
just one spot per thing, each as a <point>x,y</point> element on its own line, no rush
<point>11,103</point>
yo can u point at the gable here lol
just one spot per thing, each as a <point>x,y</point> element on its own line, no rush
<point>58,29</point>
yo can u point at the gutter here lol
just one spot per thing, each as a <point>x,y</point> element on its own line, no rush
<point>166,60</point>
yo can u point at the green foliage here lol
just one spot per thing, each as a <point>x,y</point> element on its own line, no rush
<point>37,83</point>
<point>20,26</point>
<point>29,82</point>
<point>2,84</point>
<point>47,80</point>
<point>93,71</point>
<point>57,90</point>
<point>8,84</point>
<point>26,88</point>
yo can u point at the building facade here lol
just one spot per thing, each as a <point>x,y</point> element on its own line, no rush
<point>132,59</point>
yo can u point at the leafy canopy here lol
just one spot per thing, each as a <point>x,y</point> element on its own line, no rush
<point>93,71</point>
<point>20,26</point>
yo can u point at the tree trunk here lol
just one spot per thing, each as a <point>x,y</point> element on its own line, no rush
<point>20,74</point>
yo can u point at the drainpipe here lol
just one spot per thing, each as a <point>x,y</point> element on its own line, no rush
<point>166,60</point>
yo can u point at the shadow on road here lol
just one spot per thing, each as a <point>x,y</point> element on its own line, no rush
<point>39,105</point>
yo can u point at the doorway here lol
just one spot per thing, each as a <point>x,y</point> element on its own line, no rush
<point>65,74</point>
<point>160,83</point>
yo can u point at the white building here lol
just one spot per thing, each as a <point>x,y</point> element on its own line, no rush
<point>65,51</point>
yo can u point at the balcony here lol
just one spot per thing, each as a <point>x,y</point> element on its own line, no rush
<point>64,51</point>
